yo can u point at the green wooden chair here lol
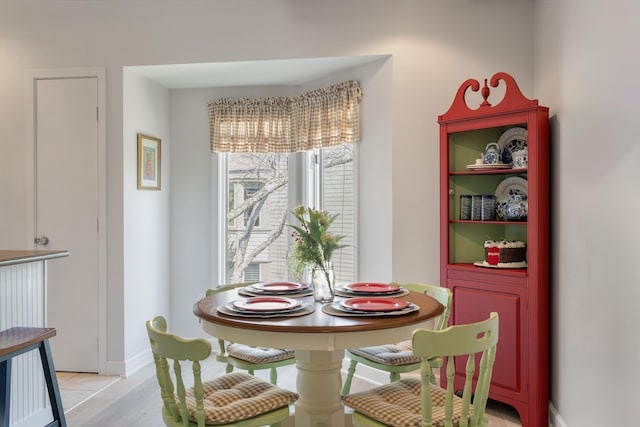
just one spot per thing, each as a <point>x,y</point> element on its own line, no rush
<point>416,401</point>
<point>250,358</point>
<point>232,400</point>
<point>398,358</point>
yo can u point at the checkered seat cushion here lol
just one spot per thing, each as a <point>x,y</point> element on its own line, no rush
<point>237,396</point>
<point>389,354</point>
<point>258,354</point>
<point>398,404</point>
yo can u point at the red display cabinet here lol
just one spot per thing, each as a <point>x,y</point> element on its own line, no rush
<point>520,295</point>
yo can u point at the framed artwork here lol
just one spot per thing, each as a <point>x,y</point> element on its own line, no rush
<point>148,162</point>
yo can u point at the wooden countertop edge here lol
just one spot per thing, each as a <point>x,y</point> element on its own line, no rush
<point>12,257</point>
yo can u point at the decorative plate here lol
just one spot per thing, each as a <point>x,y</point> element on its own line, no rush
<point>511,140</point>
<point>505,192</point>
<point>374,304</point>
<point>511,186</point>
<point>371,287</point>
<point>259,304</point>
<point>279,286</point>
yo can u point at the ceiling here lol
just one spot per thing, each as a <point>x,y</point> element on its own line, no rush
<point>284,72</point>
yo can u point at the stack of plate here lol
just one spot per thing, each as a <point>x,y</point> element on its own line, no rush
<point>512,191</point>
<point>272,306</point>
<point>276,288</point>
<point>369,289</point>
<point>372,307</point>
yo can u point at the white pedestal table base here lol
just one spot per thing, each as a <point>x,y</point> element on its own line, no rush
<point>319,383</point>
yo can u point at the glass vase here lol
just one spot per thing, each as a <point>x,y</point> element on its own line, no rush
<point>323,281</point>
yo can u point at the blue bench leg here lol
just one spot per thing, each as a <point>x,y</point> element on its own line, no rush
<point>52,385</point>
<point>5,391</point>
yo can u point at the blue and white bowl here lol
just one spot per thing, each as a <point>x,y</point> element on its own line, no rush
<point>521,158</point>
<point>513,207</point>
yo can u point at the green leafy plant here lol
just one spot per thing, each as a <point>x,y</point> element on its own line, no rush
<point>313,244</point>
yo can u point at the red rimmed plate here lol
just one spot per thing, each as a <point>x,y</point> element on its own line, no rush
<point>279,286</point>
<point>374,304</point>
<point>266,304</point>
<point>371,287</point>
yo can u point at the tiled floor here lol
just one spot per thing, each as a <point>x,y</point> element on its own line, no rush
<point>87,396</point>
<point>77,388</point>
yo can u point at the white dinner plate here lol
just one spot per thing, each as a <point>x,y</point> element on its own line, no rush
<point>522,264</point>
<point>489,167</point>
<point>336,309</point>
<point>279,286</point>
<point>301,310</point>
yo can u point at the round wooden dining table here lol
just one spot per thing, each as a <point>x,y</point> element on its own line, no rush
<point>319,340</point>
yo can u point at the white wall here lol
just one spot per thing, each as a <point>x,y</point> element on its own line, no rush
<point>146,231</point>
<point>589,78</point>
<point>192,212</point>
<point>435,45</point>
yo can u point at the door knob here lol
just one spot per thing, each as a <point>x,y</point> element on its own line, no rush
<point>42,241</point>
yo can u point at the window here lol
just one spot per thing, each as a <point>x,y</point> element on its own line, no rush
<point>265,172</point>
<point>335,192</point>
<point>255,231</point>
<point>271,185</point>
<point>252,273</point>
<point>251,188</point>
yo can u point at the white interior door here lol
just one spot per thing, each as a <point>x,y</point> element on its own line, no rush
<point>66,214</point>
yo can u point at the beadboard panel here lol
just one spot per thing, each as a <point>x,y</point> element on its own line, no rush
<point>22,303</point>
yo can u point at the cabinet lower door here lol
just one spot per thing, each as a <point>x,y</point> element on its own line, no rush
<point>472,302</point>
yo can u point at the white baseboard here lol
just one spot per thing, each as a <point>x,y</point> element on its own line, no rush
<point>137,362</point>
<point>374,376</point>
<point>130,366</point>
<point>114,368</point>
<point>555,420</point>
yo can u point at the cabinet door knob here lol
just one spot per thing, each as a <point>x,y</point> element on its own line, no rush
<point>41,241</point>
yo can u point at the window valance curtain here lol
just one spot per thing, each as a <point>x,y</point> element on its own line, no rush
<point>321,118</point>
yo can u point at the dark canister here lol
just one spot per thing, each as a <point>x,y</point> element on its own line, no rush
<point>465,207</point>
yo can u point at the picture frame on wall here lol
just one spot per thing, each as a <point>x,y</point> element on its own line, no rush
<point>148,162</point>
